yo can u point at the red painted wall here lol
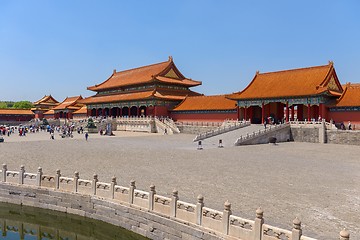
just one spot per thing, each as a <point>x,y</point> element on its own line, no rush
<point>204,117</point>
<point>345,117</point>
<point>15,118</point>
<point>161,111</point>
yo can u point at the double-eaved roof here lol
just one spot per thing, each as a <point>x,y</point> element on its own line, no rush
<point>164,72</point>
<point>292,83</point>
<point>69,103</point>
<point>206,103</point>
<point>158,93</point>
<point>46,100</point>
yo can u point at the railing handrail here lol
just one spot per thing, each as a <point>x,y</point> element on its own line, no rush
<point>260,132</point>
<point>225,217</point>
<point>221,130</point>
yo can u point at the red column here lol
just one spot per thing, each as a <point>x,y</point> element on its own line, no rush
<point>322,111</point>
<point>120,112</point>
<point>154,111</point>
<point>138,112</point>
<point>97,112</point>
<point>262,113</point>
<point>245,113</point>
<point>287,112</point>
<point>238,112</point>
<point>292,112</point>
<point>308,110</point>
<point>300,115</point>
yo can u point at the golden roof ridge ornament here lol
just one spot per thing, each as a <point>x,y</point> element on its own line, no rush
<point>170,58</point>
<point>331,63</point>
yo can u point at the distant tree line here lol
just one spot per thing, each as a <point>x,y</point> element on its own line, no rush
<point>16,105</point>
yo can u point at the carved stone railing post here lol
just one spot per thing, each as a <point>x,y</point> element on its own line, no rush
<point>198,210</point>
<point>76,181</point>
<point>296,231</point>
<point>3,227</point>
<point>94,183</point>
<point>4,172</point>
<point>57,179</point>
<point>21,231</point>
<point>132,191</point>
<point>173,206</point>
<point>39,176</point>
<point>226,217</point>
<point>112,185</point>
<point>344,235</point>
<point>259,221</point>
<point>152,197</point>
<point>21,174</point>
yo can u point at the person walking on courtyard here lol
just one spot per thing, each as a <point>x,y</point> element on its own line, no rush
<point>86,136</point>
<point>265,122</point>
<point>349,126</point>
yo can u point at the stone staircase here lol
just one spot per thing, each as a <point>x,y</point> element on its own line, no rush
<point>171,125</point>
<point>280,132</point>
<point>230,137</point>
<point>227,126</point>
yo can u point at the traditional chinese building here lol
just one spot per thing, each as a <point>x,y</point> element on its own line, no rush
<point>150,90</point>
<point>15,115</point>
<point>43,105</point>
<point>307,91</point>
<point>347,107</point>
<point>80,114</point>
<point>205,108</point>
<point>66,108</point>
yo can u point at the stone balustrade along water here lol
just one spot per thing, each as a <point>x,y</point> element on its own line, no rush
<point>146,213</point>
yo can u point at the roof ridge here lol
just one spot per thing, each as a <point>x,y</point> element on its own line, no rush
<point>296,69</point>
<point>216,95</point>
<point>144,66</point>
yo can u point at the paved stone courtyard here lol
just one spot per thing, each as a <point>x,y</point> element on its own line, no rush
<point>317,183</point>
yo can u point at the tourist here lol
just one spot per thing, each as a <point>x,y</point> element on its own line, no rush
<point>52,135</point>
<point>86,136</point>
<point>349,126</point>
<point>265,122</point>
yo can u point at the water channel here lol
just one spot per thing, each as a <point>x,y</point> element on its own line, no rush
<point>28,223</point>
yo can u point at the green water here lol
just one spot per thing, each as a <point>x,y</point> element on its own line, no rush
<point>21,222</point>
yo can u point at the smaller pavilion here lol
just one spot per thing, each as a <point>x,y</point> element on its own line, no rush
<point>80,114</point>
<point>216,108</point>
<point>304,93</point>
<point>347,107</point>
<point>10,115</point>
<point>44,104</point>
<point>150,90</point>
<point>67,107</point>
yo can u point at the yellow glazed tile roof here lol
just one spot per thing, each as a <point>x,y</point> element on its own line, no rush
<point>216,102</point>
<point>291,83</point>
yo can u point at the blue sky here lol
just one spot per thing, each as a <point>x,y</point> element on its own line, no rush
<point>62,47</point>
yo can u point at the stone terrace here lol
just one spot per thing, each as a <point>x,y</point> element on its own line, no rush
<point>318,183</point>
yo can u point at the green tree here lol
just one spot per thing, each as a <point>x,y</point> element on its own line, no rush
<point>9,104</point>
<point>23,105</point>
<point>3,105</point>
